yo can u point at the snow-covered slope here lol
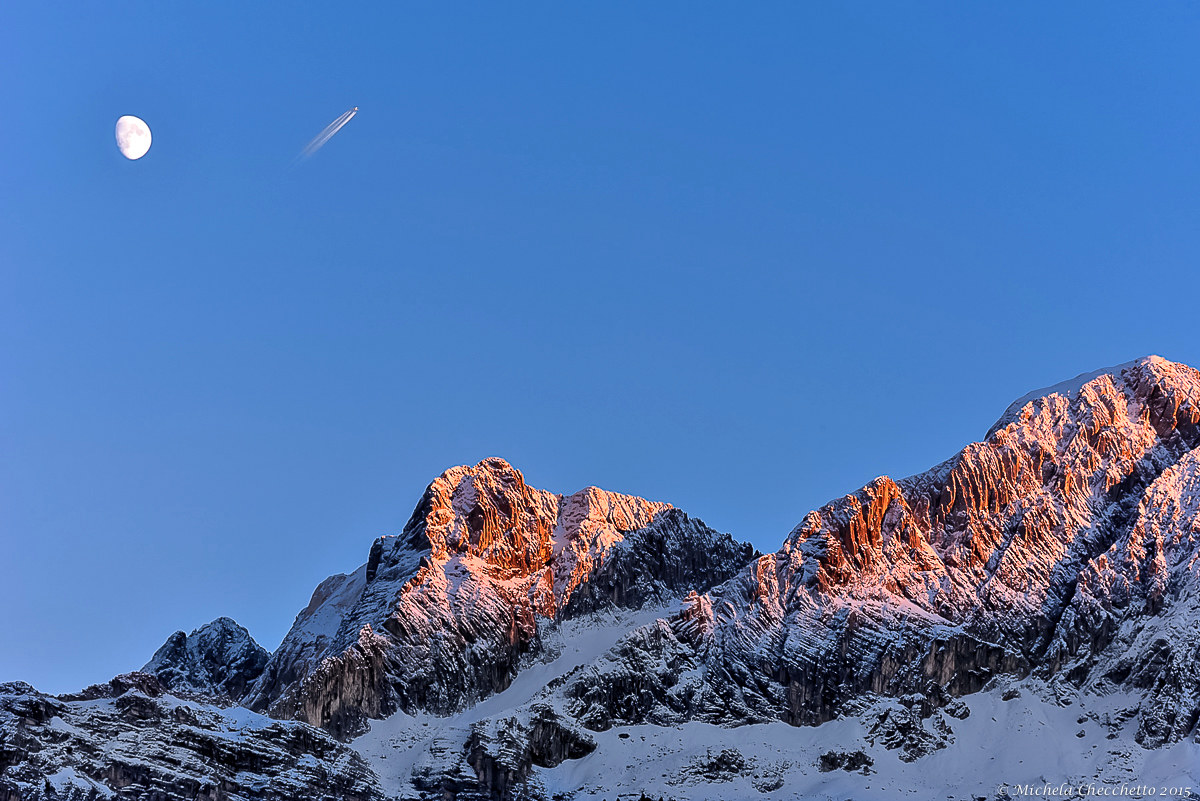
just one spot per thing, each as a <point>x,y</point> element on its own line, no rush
<point>998,741</point>
<point>427,754</point>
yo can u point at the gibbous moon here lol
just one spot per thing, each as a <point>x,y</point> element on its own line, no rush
<point>133,137</point>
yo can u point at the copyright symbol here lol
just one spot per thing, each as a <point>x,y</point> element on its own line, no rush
<point>1001,789</point>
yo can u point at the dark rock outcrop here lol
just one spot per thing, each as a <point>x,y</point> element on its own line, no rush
<point>841,760</point>
<point>503,752</point>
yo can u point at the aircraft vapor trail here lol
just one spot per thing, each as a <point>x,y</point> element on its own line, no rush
<point>324,136</point>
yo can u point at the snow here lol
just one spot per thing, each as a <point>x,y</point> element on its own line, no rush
<point>331,600</point>
<point>62,779</point>
<point>395,746</point>
<point>66,779</point>
<point>1028,740</point>
<point>58,724</point>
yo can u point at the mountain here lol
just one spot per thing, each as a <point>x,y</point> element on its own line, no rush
<point>1026,612</point>
<point>219,658</point>
<point>1065,547</point>
<point>442,615</point>
<point>1065,543</point>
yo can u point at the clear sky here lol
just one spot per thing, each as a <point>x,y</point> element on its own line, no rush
<point>739,257</point>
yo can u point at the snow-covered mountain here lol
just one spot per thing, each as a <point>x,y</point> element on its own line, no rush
<point>219,658</point>
<point>1027,612</point>
<point>1067,541</point>
<point>442,615</point>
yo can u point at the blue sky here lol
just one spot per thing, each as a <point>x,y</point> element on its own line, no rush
<point>742,259</point>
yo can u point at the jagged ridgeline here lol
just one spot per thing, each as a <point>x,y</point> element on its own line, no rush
<point>442,615</point>
<point>511,642</point>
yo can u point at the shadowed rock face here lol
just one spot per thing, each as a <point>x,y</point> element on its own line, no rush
<point>442,615</point>
<point>1065,543</point>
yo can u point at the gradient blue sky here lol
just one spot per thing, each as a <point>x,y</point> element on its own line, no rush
<point>742,259</point>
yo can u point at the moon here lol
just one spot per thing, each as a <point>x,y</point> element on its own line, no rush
<point>133,137</point>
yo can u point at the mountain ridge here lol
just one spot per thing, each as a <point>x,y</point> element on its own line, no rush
<point>503,631</point>
<point>484,557</point>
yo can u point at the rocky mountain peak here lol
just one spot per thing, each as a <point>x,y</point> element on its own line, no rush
<point>1164,384</point>
<point>987,528</point>
<point>219,658</point>
<point>487,511</point>
<point>490,513</point>
<point>455,601</point>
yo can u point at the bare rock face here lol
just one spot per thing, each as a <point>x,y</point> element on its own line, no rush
<point>218,659</point>
<point>441,615</point>
<point>129,740</point>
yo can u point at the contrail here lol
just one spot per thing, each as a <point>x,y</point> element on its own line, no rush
<point>327,134</point>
